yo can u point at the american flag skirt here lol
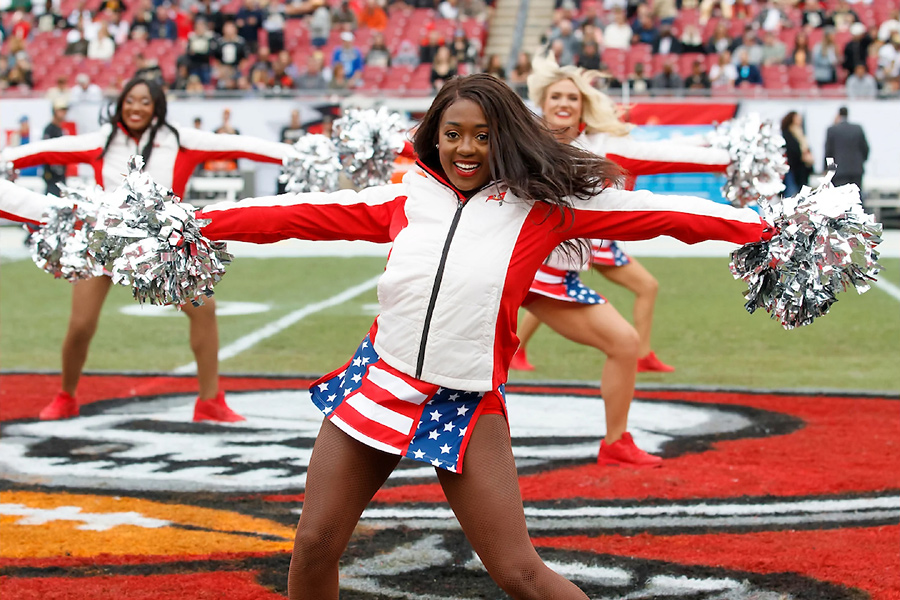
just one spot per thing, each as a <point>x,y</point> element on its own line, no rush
<point>396,413</point>
<point>563,285</point>
<point>607,253</point>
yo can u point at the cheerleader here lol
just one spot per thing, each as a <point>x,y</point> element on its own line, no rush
<point>171,153</point>
<point>492,195</point>
<point>579,114</point>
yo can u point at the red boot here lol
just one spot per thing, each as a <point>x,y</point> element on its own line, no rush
<point>64,406</point>
<point>623,452</point>
<point>215,409</point>
<point>520,361</point>
<point>651,363</point>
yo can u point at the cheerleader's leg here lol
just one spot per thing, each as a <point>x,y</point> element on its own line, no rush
<point>88,297</point>
<point>637,280</point>
<point>485,498</point>
<point>343,476</point>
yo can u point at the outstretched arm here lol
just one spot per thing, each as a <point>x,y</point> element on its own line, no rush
<point>652,158</point>
<point>22,205</point>
<point>64,150</point>
<point>374,214</point>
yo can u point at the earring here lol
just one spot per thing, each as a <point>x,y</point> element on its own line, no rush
<point>437,145</point>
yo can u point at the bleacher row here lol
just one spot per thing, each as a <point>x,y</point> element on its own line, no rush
<point>50,62</point>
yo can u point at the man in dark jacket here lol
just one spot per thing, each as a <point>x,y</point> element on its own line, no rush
<point>55,174</point>
<point>846,143</point>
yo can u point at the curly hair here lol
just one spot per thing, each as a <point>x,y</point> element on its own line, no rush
<point>598,110</point>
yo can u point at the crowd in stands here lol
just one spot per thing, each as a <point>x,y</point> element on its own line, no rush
<point>242,46</point>
<point>253,47</point>
<point>710,47</point>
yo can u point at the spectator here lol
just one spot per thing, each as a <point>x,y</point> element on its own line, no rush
<point>194,87</point>
<point>667,43</point>
<point>774,52</point>
<point>723,74</point>
<point>697,83</point>
<point>708,8</point>
<point>319,24</point>
<point>824,59</point>
<point>667,81</point>
<point>644,30</point>
<point>273,24</point>
<point>280,79</point>
<point>430,46</point>
<point>54,175</point>
<point>637,82</point>
<point>148,68</point>
<point>590,57</point>
<point>692,40</point>
<point>618,33</point>
<point>163,26</point>
<point>771,17</point>
<point>201,47</point>
<point>751,45</point>
<point>842,17</point>
<point>495,67</point>
<point>846,143</point>
<point>349,56</point>
<point>464,53</point>
<point>59,92</point>
<point>212,12</point>
<point>518,77</point>
<point>371,15</point>
<point>313,78</point>
<point>565,33</point>
<point>720,40</point>
<point>119,29</point>
<point>747,72</point>
<point>801,48</point>
<point>142,20</point>
<point>76,42</point>
<point>378,55</point>
<point>813,16</point>
<point>588,32</point>
<point>861,85</point>
<point>889,26</point>
<point>262,70</point>
<point>290,69</point>
<point>339,81</point>
<point>294,130</point>
<point>856,52</point>
<point>84,90</point>
<point>477,10</point>
<point>19,74</point>
<point>443,68</point>
<point>51,20</point>
<point>344,17</point>
<point>448,9</point>
<point>182,75</point>
<point>20,137</point>
<point>249,20</point>
<point>231,52</point>
<point>889,60</point>
<point>407,54</point>
<point>799,157</point>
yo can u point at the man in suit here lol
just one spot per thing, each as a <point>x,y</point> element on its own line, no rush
<point>846,143</point>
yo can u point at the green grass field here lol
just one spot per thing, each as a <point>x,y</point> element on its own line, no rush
<point>701,327</point>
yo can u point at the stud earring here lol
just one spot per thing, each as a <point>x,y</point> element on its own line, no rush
<point>437,145</point>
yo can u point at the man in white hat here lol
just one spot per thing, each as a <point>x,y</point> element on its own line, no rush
<point>856,52</point>
<point>349,55</point>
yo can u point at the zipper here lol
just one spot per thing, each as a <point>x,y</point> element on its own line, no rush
<point>436,288</point>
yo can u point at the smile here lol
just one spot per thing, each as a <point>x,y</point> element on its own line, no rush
<point>466,169</point>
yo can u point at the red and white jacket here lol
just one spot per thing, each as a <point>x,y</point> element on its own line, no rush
<point>22,205</point>
<point>171,163</point>
<point>459,269</point>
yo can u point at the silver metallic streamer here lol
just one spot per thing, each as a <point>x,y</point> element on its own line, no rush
<point>60,245</point>
<point>368,142</point>
<point>824,244</point>
<point>7,170</point>
<point>315,167</point>
<point>155,243</point>
<point>758,164</point>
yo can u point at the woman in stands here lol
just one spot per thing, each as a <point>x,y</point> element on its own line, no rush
<point>571,105</point>
<point>171,153</point>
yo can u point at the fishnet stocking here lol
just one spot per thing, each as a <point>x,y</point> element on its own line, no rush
<point>485,498</point>
<point>343,476</point>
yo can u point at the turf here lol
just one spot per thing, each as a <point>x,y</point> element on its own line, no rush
<point>700,327</point>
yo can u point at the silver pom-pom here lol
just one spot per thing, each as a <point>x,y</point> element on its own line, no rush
<point>7,170</point>
<point>824,244</point>
<point>156,243</point>
<point>60,245</point>
<point>369,142</point>
<point>314,168</point>
<point>758,164</point>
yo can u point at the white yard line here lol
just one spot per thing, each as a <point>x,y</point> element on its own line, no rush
<point>275,327</point>
<point>889,288</point>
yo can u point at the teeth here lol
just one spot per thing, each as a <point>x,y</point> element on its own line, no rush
<point>466,167</point>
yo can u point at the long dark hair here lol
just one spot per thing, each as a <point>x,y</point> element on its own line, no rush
<point>787,122</point>
<point>523,152</point>
<point>160,108</point>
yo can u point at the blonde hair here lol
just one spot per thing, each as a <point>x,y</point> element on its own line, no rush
<point>598,111</point>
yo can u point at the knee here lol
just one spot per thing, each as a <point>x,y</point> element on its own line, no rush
<point>315,551</point>
<point>81,330</point>
<point>648,286</point>
<point>627,344</point>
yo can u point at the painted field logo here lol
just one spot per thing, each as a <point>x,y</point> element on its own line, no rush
<point>749,505</point>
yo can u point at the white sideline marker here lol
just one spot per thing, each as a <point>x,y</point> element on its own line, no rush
<point>267,331</point>
<point>889,288</point>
